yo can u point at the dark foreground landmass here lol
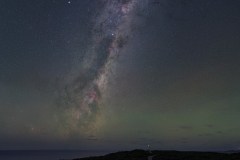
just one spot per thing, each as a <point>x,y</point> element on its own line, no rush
<point>165,155</point>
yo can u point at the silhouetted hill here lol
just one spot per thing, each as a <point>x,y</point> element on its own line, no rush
<point>165,155</point>
<point>232,151</point>
<point>128,155</point>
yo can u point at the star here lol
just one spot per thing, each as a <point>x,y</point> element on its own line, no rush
<point>69,2</point>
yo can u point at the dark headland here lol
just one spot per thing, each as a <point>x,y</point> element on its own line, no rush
<point>165,155</point>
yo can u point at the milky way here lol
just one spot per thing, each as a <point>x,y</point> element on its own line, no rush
<point>82,97</point>
<point>119,74</point>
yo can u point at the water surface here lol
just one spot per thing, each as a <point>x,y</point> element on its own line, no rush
<point>46,154</point>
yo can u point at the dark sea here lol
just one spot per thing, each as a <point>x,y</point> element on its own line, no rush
<point>47,154</point>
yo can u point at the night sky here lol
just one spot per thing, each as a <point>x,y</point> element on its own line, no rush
<point>120,74</point>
